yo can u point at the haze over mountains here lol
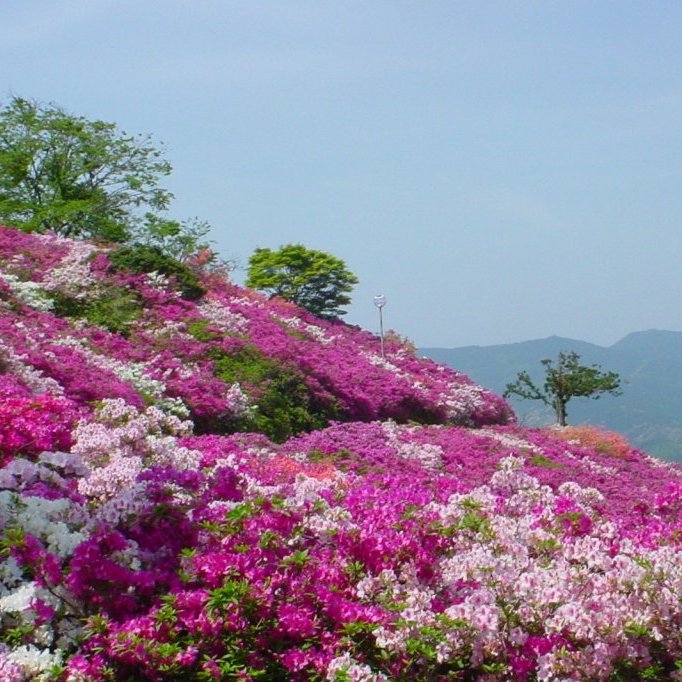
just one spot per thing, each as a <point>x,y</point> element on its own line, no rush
<point>649,362</point>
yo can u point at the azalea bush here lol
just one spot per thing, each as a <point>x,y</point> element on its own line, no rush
<point>402,528</point>
<point>599,439</point>
<point>31,424</point>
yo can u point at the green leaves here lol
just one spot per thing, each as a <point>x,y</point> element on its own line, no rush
<point>231,592</point>
<point>314,280</point>
<point>72,176</point>
<point>285,405</point>
<point>115,309</point>
<point>81,178</point>
<point>298,558</point>
<point>176,240</point>
<point>143,258</point>
<point>564,380</point>
<point>542,461</point>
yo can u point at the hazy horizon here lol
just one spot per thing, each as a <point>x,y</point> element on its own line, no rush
<point>551,336</point>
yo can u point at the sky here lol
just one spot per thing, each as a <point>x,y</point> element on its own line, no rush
<point>499,170</point>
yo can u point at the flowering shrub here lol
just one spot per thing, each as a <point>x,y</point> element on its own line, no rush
<point>28,293</point>
<point>419,535</point>
<point>591,437</point>
<point>31,424</point>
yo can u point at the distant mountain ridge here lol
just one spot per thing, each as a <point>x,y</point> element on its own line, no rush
<point>649,362</point>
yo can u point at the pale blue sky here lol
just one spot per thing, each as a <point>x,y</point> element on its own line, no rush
<point>499,170</point>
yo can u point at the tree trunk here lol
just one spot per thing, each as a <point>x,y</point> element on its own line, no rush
<point>560,409</point>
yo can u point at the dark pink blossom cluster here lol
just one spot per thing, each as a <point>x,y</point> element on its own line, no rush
<point>30,255</point>
<point>343,365</point>
<point>32,424</point>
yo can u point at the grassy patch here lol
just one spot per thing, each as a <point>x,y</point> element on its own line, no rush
<point>542,461</point>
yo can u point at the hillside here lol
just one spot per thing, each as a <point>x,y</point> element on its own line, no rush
<point>649,362</point>
<point>197,483</point>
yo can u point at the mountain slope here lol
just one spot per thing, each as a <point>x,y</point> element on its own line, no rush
<point>214,356</point>
<point>200,484</point>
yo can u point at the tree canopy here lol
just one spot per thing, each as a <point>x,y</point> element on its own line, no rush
<point>314,280</point>
<point>565,380</point>
<point>75,177</point>
<point>178,240</point>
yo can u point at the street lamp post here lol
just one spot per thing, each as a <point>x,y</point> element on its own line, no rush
<point>380,302</point>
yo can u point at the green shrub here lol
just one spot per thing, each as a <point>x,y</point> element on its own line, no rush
<point>199,329</point>
<point>284,406</point>
<point>246,365</point>
<point>143,259</point>
<point>116,309</point>
<point>542,461</point>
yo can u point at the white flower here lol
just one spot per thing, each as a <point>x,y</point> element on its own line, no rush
<point>46,519</point>
<point>159,281</point>
<point>29,293</point>
<point>19,599</point>
<point>33,378</point>
<point>238,400</point>
<point>10,574</point>
<point>346,668</point>
<point>35,662</point>
<point>73,277</point>
<point>222,317</point>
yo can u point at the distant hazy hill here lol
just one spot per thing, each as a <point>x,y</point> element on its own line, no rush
<point>649,412</point>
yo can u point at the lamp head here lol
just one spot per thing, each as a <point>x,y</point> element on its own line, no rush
<point>380,300</point>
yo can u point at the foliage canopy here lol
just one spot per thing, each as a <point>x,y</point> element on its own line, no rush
<point>181,241</point>
<point>565,380</point>
<point>143,258</point>
<point>314,280</point>
<point>75,177</point>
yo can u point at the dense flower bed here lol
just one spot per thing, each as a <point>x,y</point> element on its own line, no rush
<point>364,551</point>
<point>137,546</point>
<point>159,345</point>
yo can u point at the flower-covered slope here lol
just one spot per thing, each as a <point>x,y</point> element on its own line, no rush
<point>103,333</point>
<point>149,531</point>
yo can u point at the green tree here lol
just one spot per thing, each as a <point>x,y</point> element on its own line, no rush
<point>564,380</point>
<point>75,177</point>
<point>314,280</point>
<point>178,240</point>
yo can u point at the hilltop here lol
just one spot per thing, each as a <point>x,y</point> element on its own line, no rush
<point>198,483</point>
